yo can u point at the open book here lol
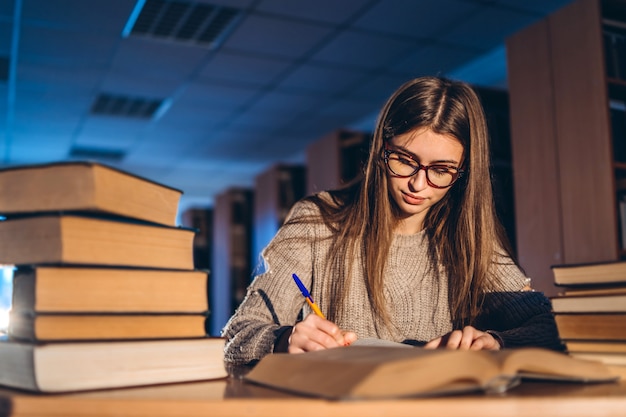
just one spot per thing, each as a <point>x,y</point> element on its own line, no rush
<point>370,372</point>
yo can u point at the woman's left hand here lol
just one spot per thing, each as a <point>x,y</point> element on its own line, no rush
<point>469,338</point>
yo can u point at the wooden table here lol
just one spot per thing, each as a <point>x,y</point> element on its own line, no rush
<point>233,397</point>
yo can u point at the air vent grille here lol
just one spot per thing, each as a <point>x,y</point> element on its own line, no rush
<point>98,154</point>
<point>124,106</point>
<point>189,22</point>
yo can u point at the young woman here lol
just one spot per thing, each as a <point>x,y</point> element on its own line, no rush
<point>412,253</point>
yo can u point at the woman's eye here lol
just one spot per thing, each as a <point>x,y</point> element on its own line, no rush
<point>406,161</point>
<point>439,170</point>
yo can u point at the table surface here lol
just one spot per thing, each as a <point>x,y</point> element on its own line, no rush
<point>235,397</point>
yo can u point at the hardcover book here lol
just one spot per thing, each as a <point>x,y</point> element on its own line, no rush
<point>595,346</point>
<point>589,303</point>
<point>64,367</point>
<point>91,289</point>
<point>86,186</point>
<point>606,326</point>
<point>76,239</point>
<point>613,272</point>
<point>65,327</point>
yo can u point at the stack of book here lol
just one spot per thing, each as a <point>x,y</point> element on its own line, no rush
<point>590,311</point>
<point>105,293</point>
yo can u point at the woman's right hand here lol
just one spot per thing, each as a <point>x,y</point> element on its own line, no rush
<point>315,333</point>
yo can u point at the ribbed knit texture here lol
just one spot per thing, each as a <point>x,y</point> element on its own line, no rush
<point>416,292</point>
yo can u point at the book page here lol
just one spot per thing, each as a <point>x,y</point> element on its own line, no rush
<point>544,364</point>
<point>379,342</point>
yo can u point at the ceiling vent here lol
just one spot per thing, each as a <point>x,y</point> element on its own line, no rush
<point>180,21</point>
<point>124,106</point>
<point>97,154</point>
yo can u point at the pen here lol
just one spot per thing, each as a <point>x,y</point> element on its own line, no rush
<point>307,297</point>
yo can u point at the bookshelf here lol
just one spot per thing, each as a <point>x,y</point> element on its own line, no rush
<point>496,106</point>
<point>231,270</point>
<point>335,159</point>
<point>564,140</point>
<point>200,219</point>
<point>275,192</point>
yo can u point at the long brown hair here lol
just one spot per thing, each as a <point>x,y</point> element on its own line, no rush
<point>462,228</point>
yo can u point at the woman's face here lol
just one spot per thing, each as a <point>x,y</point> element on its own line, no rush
<point>413,195</point>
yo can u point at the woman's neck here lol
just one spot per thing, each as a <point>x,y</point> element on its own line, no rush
<point>409,226</point>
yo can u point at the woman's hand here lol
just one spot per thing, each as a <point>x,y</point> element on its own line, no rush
<point>316,333</point>
<point>469,338</point>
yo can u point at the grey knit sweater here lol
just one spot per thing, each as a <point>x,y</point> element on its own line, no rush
<point>415,291</point>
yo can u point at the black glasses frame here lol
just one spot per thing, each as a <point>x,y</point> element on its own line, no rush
<point>455,172</point>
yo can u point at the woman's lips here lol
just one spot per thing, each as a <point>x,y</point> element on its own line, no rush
<point>413,200</point>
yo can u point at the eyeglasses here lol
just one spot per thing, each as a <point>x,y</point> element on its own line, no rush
<point>437,175</point>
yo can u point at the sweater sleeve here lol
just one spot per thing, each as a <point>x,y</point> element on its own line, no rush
<point>519,319</point>
<point>273,302</point>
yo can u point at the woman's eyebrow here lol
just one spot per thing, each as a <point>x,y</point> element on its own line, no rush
<point>417,159</point>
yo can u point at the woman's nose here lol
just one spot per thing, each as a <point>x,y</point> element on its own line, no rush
<point>418,180</point>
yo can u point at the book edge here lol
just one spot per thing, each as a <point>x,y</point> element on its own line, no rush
<point>89,164</point>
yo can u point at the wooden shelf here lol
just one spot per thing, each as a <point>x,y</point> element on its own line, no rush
<point>336,159</point>
<point>231,266</point>
<point>561,127</point>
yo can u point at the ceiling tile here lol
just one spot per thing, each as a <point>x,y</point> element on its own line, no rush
<point>344,112</point>
<point>363,50</point>
<point>39,45</point>
<point>415,19</point>
<point>49,76</point>
<point>110,132</point>
<point>105,18</point>
<point>157,59</point>
<point>6,9</point>
<point>154,154</point>
<point>541,7</point>
<point>6,34</point>
<point>39,104</point>
<point>285,103</point>
<point>277,146</point>
<point>488,28</point>
<point>488,70</point>
<point>36,153</point>
<point>316,79</point>
<point>255,71</point>
<point>329,11</point>
<point>149,86</point>
<point>282,109</point>
<point>275,37</point>
<point>376,89</point>
<point>432,59</point>
<point>239,4</point>
<point>49,126</point>
<point>58,132</point>
<point>215,96</point>
<point>230,145</point>
<point>188,119</point>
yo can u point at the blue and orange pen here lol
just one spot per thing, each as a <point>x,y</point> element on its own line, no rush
<point>308,297</point>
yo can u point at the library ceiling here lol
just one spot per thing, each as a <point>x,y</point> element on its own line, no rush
<point>203,95</point>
